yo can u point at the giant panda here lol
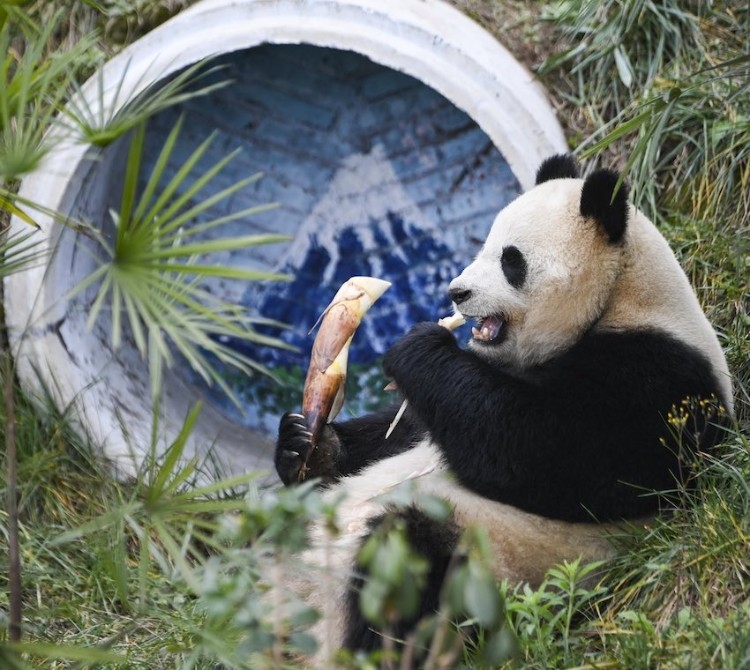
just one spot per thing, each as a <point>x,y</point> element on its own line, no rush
<point>559,420</point>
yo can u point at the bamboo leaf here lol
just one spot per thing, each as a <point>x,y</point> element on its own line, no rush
<point>17,211</point>
<point>624,69</point>
<point>624,129</point>
<point>166,217</point>
<point>184,233</point>
<point>176,181</point>
<point>130,183</point>
<point>220,271</point>
<point>68,652</point>
<point>177,555</point>
<point>236,481</point>
<point>101,296</point>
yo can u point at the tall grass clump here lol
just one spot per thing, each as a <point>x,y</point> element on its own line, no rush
<point>35,79</point>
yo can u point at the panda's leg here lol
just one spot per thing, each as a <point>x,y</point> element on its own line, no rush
<point>434,540</point>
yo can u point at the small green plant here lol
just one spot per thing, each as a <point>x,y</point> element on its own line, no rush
<point>168,514</point>
<point>152,271</point>
<point>251,619</point>
<point>33,85</point>
<point>546,619</point>
<point>101,124</point>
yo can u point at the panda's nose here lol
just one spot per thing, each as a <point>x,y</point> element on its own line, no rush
<point>459,295</point>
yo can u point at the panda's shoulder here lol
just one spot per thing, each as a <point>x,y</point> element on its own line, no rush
<point>645,345</point>
<point>638,361</point>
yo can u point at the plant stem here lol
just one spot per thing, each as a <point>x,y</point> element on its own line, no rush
<point>14,559</point>
<point>389,649</point>
<point>277,650</point>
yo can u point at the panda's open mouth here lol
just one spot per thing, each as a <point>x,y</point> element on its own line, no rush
<point>490,328</point>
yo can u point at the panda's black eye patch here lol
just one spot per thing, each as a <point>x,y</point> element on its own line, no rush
<point>514,266</point>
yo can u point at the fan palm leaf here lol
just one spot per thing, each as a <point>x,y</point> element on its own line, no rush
<point>155,263</point>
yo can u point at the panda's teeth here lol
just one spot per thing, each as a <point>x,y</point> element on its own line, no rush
<point>484,333</point>
<point>488,328</point>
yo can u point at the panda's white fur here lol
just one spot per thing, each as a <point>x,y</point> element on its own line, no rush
<point>653,289</point>
<point>581,280</point>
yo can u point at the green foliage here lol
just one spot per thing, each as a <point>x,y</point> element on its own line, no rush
<point>698,554</point>
<point>100,124</point>
<point>547,619</point>
<point>151,272</point>
<point>33,84</point>
<point>396,574</point>
<point>168,514</point>
<point>18,252</point>
<point>621,48</point>
<point>396,578</point>
<point>165,571</point>
<point>250,623</point>
<point>150,280</point>
<point>649,70</point>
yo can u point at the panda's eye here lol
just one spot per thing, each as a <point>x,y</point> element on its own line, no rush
<point>514,266</point>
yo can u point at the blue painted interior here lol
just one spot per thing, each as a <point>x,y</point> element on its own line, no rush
<point>376,174</point>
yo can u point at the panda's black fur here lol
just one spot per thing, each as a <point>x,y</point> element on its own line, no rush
<point>581,436</point>
<point>557,167</point>
<point>434,540</point>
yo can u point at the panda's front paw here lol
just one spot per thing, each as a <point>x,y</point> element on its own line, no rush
<point>292,448</point>
<point>296,458</point>
<point>419,349</point>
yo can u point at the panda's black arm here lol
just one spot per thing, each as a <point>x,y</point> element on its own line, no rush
<point>584,435</point>
<point>472,411</point>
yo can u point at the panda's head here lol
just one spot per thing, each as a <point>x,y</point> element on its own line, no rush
<point>548,266</point>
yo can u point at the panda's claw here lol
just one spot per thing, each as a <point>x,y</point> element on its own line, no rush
<point>289,465</point>
<point>293,448</point>
<point>297,459</point>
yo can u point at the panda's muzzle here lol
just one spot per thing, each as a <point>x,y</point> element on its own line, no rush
<point>490,329</point>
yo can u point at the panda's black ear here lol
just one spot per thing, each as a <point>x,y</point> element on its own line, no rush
<point>560,166</point>
<point>600,201</point>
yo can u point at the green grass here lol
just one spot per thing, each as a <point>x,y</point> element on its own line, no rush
<point>112,568</point>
